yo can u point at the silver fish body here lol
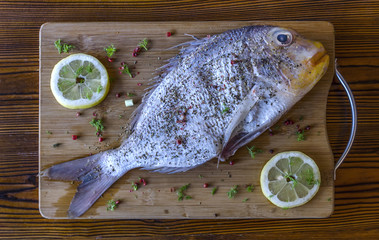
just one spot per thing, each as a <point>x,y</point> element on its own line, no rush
<point>216,95</point>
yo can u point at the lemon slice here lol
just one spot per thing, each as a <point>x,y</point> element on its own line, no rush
<point>290,179</point>
<point>79,81</point>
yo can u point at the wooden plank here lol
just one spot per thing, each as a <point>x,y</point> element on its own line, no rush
<point>156,200</point>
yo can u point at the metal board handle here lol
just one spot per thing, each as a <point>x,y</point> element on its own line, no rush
<point>353,118</point>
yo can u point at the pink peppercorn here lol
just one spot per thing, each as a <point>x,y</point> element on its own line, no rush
<point>110,59</point>
<point>178,141</point>
<point>139,84</point>
<point>118,95</point>
<point>74,137</point>
<point>307,127</point>
<point>101,139</point>
<point>205,185</point>
<point>168,34</point>
<point>78,114</point>
<point>231,163</point>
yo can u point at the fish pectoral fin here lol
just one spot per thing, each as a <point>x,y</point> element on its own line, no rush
<point>240,113</point>
<point>88,192</point>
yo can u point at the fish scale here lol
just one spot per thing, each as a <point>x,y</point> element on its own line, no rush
<point>218,94</point>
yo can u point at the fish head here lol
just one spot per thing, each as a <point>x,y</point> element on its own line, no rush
<point>300,62</point>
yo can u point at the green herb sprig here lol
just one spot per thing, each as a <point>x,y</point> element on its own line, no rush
<point>181,192</point>
<point>110,50</point>
<point>143,44</point>
<point>233,191</point>
<point>250,188</point>
<point>98,124</point>
<point>214,190</point>
<point>253,151</point>
<point>62,47</point>
<point>112,205</point>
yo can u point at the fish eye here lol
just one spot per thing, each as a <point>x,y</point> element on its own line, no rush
<point>283,38</point>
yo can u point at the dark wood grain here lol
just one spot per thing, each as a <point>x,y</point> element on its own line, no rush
<point>357,186</point>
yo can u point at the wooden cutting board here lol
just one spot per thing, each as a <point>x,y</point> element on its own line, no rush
<point>156,199</point>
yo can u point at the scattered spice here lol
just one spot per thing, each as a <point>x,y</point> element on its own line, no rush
<point>181,192</point>
<point>271,151</point>
<point>98,124</point>
<point>55,145</point>
<point>112,205</point>
<point>110,50</point>
<point>253,151</point>
<point>214,190</point>
<point>62,47</point>
<point>288,122</point>
<point>233,191</point>
<point>74,137</point>
<point>143,181</point>
<point>250,188</point>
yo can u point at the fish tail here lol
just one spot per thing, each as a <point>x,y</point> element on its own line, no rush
<point>94,181</point>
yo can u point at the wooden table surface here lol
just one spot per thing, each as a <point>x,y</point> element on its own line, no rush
<point>356,214</point>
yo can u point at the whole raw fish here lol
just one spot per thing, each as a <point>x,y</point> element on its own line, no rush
<point>218,94</point>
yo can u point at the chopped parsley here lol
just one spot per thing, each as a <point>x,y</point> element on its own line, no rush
<point>214,190</point>
<point>181,193</point>
<point>98,124</point>
<point>99,89</point>
<point>143,44</point>
<point>79,71</point>
<point>250,188</point>
<point>135,186</point>
<point>89,68</point>
<point>130,94</point>
<point>300,136</point>
<point>112,205</point>
<point>48,132</point>
<point>110,50</point>
<point>62,47</point>
<point>126,70</point>
<point>245,200</point>
<point>310,178</point>
<point>226,109</point>
<point>291,178</point>
<point>253,151</point>
<point>233,191</point>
